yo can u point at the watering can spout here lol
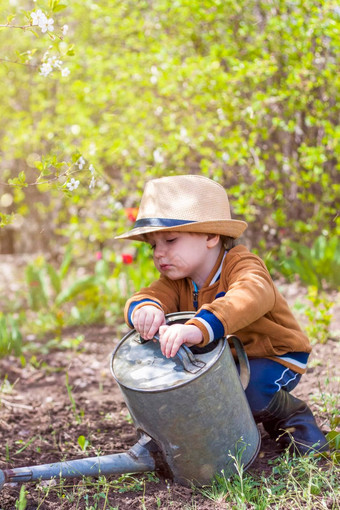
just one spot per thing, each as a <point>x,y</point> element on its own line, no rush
<point>139,459</point>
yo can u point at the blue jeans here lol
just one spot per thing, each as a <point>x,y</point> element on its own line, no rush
<point>266,378</point>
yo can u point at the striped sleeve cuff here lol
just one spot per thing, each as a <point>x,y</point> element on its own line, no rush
<point>210,326</point>
<point>138,304</point>
<point>296,361</point>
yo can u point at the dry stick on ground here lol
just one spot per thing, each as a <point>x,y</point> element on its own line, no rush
<point>12,404</point>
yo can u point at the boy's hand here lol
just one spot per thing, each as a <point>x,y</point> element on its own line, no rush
<point>147,321</point>
<point>172,337</point>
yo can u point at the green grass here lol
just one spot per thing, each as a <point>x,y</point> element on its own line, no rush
<point>309,483</point>
<point>295,482</point>
<point>88,493</point>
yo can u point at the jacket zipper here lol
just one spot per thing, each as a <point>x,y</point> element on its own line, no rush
<point>195,296</point>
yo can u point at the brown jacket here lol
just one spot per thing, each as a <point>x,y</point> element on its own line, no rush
<point>250,306</point>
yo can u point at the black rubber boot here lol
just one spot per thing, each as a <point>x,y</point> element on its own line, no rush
<point>290,421</point>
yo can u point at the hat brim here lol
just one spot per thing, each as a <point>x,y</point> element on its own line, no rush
<point>230,228</point>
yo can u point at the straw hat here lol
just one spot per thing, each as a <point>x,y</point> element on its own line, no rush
<point>184,203</point>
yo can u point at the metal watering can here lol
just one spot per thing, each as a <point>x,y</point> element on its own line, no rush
<point>190,412</point>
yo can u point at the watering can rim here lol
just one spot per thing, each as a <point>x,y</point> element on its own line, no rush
<point>223,342</point>
<point>178,315</point>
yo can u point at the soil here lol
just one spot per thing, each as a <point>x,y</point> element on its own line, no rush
<point>64,404</point>
<point>41,422</point>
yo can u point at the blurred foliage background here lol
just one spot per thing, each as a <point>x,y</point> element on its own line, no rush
<point>246,92</point>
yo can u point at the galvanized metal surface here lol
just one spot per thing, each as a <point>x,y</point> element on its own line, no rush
<point>137,460</point>
<point>137,366</point>
<point>199,421</point>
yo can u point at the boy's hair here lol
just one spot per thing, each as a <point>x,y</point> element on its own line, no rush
<point>228,242</point>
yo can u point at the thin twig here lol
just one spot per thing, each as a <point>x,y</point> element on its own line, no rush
<point>11,404</point>
<point>19,63</point>
<point>23,27</point>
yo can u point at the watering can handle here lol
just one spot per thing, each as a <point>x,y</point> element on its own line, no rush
<point>193,365</point>
<point>242,359</point>
<point>189,361</point>
<point>187,358</point>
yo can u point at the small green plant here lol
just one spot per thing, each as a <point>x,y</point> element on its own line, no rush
<point>5,386</point>
<point>319,315</point>
<point>10,335</point>
<point>83,443</point>
<point>127,416</point>
<point>24,444</point>
<point>78,415</point>
<point>21,503</point>
<point>49,289</point>
<point>318,266</point>
<point>8,456</point>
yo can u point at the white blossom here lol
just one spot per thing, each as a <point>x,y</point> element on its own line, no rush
<point>37,17</point>
<point>40,19</point>
<point>116,206</point>
<point>155,74</point>
<point>157,156</point>
<point>81,163</point>
<point>55,62</point>
<point>183,135</point>
<point>47,26</point>
<point>65,29</point>
<point>75,129</point>
<point>52,63</point>
<point>93,180</point>
<point>220,114</point>
<point>46,69</point>
<point>92,149</point>
<point>159,111</point>
<point>72,184</point>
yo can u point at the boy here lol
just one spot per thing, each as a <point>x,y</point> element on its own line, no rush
<point>186,219</point>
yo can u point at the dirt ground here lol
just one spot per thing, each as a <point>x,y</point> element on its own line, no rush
<point>66,401</point>
<point>41,421</point>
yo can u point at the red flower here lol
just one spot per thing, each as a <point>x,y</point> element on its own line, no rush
<point>131,213</point>
<point>127,258</point>
<point>99,255</point>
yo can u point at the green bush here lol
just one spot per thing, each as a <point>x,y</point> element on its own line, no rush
<point>244,92</point>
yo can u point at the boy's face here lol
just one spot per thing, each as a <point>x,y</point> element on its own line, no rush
<point>183,255</point>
